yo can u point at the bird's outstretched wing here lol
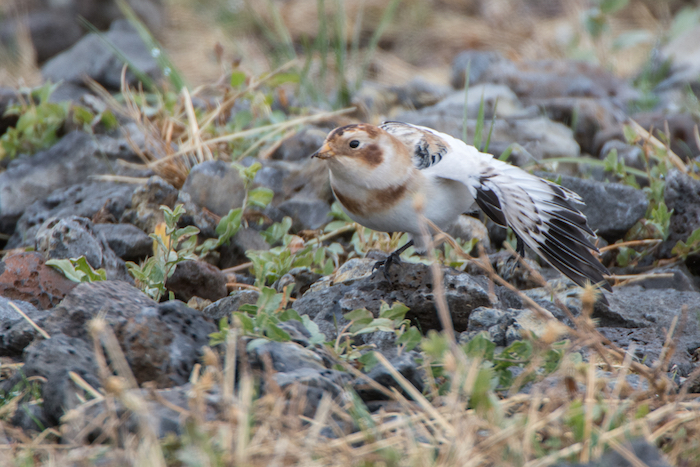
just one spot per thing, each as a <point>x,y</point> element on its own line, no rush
<point>540,212</point>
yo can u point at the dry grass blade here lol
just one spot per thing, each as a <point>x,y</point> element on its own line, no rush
<point>654,141</point>
<point>44,334</point>
<point>417,396</point>
<point>85,386</point>
<point>252,132</point>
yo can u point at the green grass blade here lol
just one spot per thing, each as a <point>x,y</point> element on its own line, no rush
<point>493,122</point>
<point>343,98</point>
<point>387,16</point>
<point>162,59</point>
<point>282,31</point>
<point>322,38</point>
<point>479,130</point>
<point>140,75</point>
<point>506,154</point>
<point>356,34</point>
<point>587,161</point>
<point>465,114</point>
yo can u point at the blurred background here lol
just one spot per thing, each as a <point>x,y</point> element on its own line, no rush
<point>407,38</point>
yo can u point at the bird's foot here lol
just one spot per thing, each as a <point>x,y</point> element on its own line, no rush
<point>385,264</point>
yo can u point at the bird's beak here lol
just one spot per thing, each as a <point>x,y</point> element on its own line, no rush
<point>324,153</point>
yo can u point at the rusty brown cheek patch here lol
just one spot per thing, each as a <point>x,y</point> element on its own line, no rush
<point>372,155</point>
<point>376,202</point>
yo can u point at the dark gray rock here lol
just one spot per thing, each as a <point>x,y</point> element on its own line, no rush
<point>509,106</point>
<point>380,99</point>
<point>30,417</point>
<point>215,185</point>
<point>74,237</point>
<point>483,318</point>
<point>15,332</point>
<point>590,115</point>
<point>146,200</point>
<point>51,32</point>
<point>197,279</point>
<point>683,196</point>
<point>127,241</point>
<point>297,366</point>
<point>161,342</point>
<point>285,357</point>
<point>110,200</point>
<point>72,160</point>
<point>312,385</point>
<point>53,359</point>
<point>648,454</point>
<point>645,317</point>
<point>306,213</point>
<point>302,278</point>
<point>55,26</point>
<point>405,364</point>
<point>7,313</point>
<point>301,145</point>
<point>92,57</point>
<point>477,61</point>
<point>611,208</point>
<point>353,287</point>
<point>194,214</point>
<point>233,253</point>
<point>228,305</point>
<point>543,79</point>
<point>162,417</point>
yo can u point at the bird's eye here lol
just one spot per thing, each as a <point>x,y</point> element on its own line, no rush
<point>354,143</point>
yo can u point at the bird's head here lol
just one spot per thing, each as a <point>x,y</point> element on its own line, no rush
<point>362,150</point>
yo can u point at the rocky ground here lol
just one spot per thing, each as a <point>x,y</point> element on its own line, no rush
<point>91,194</point>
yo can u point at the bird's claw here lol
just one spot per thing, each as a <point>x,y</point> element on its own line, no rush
<point>385,264</point>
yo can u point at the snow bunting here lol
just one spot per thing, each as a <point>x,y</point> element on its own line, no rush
<point>382,174</point>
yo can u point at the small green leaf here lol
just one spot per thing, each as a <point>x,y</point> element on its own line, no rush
<point>410,339</point>
<point>629,134</point>
<point>378,324</point>
<point>246,322</point>
<point>612,6</point>
<point>396,312</point>
<point>435,344</point>
<point>359,314</point>
<point>368,361</point>
<point>238,79</point>
<point>260,197</point>
<point>275,333</point>
<point>67,268</point>
<point>317,337</point>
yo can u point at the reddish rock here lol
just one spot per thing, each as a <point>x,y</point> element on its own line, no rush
<point>197,279</point>
<point>25,276</point>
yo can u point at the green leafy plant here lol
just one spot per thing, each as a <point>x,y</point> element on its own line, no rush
<point>78,269</point>
<point>38,125</point>
<point>262,320</point>
<point>172,245</point>
<point>391,319</point>
<point>689,247</point>
<point>230,224</point>
<point>270,265</point>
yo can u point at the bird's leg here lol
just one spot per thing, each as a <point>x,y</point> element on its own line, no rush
<point>393,258</point>
<point>520,245</point>
<point>520,250</point>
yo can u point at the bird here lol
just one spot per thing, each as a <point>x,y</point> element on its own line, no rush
<point>382,176</point>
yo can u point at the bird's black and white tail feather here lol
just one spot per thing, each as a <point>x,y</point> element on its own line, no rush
<point>544,216</point>
<point>540,212</point>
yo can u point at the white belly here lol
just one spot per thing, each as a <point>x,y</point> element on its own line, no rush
<point>442,200</point>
